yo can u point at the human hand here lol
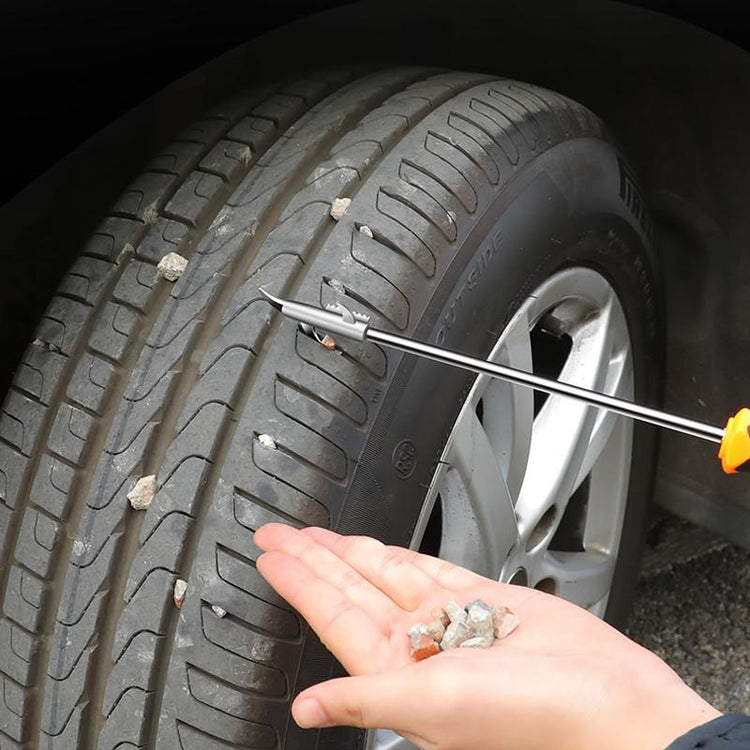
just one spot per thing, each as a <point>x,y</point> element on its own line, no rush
<point>563,679</point>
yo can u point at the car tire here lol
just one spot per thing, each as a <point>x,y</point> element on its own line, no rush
<point>466,194</point>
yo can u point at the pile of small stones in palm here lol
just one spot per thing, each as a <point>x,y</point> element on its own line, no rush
<point>477,625</point>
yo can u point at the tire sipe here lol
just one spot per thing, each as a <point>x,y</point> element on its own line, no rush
<point>467,193</point>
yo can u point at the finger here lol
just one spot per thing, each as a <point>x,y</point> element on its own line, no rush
<point>442,577</point>
<point>422,574</point>
<point>343,628</point>
<point>330,568</point>
<point>387,568</point>
<point>389,701</point>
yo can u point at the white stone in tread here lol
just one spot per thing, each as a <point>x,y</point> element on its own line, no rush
<point>180,587</point>
<point>143,492</point>
<point>267,441</point>
<point>339,207</point>
<point>172,266</point>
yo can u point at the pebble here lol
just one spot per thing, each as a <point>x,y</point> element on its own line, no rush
<point>328,342</point>
<point>438,613</point>
<point>426,647</point>
<point>171,266</point>
<point>339,207</point>
<point>267,441</point>
<point>455,634</point>
<point>475,626</point>
<point>364,229</point>
<point>504,621</point>
<point>455,612</point>
<point>143,492</point>
<point>180,587</point>
<point>477,642</point>
<point>218,611</point>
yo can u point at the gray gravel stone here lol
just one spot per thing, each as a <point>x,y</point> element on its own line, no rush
<point>455,634</point>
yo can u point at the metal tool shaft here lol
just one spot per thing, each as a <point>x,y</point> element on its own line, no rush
<point>340,321</point>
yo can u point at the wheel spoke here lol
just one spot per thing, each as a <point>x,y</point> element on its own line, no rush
<point>509,409</point>
<point>581,577</point>
<point>563,430</point>
<point>476,495</point>
<point>619,383</point>
<point>385,739</point>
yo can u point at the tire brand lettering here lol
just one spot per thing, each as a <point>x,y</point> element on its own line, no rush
<point>480,264</point>
<point>631,196</point>
<point>404,459</point>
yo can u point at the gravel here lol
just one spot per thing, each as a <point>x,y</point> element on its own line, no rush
<point>692,609</point>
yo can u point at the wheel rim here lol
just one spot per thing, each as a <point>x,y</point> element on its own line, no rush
<point>532,489</point>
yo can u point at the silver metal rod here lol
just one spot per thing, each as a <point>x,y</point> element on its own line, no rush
<point>619,406</point>
<point>341,321</point>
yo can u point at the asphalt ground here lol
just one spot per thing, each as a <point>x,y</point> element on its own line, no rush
<point>692,608</point>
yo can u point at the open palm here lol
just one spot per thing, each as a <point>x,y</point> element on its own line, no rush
<point>562,677</point>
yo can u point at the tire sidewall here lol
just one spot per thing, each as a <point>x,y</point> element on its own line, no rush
<point>566,208</point>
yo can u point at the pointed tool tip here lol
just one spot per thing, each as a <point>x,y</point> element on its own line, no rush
<point>275,301</point>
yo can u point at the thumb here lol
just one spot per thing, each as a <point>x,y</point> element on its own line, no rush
<point>390,701</point>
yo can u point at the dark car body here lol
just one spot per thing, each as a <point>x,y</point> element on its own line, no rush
<point>91,91</point>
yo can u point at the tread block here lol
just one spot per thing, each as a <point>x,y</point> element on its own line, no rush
<point>20,418</point>
<point>23,598</point>
<point>70,431</point>
<point>191,738</point>
<point>69,642</point>
<point>162,550</point>
<point>431,228</point>
<point>251,677</point>
<point>254,131</point>
<point>85,279</point>
<point>384,256</point>
<point>217,384</point>
<point>144,198</point>
<point>36,541</point>
<point>6,516</point>
<point>206,130</point>
<point>90,381</point>
<point>83,584</point>
<point>136,284</point>
<point>178,159</point>
<point>308,447</point>
<point>112,236</point>
<point>365,355</point>
<point>363,290</point>
<point>123,729</point>
<point>17,649</point>
<point>116,470</point>
<point>165,236</point>
<point>11,707</point>
<point>180,486</point>
<point>229,699</point>
<point>113,330</point>
<point>197,437</point>
<point>61,697</point>
<point>239,571</point>
<point>228,159</point>
<point>144,608</point>
<point>69,737</point>
<point>193,198</point>
<point>51,487</point>
<point>128,673</point>
<point>316,396</point>
<point>232,635</point>
<point>39,372</point>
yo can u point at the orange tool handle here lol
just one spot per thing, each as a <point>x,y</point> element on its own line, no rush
<point>735,445</point>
